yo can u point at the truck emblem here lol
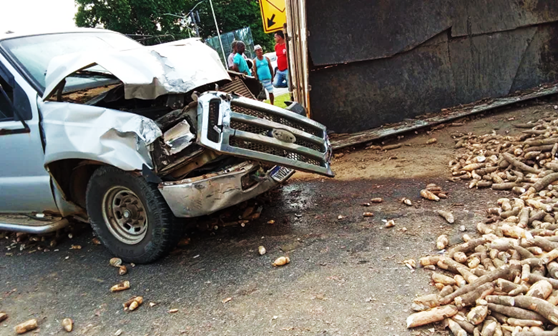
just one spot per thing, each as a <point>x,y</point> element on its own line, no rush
<point>283,135</point>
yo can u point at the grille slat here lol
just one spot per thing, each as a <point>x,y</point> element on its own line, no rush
<point>263,148</point>
<point>280,120</point>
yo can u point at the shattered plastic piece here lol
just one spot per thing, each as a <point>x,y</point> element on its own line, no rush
<point>178,137</point>
<point>281,261</point>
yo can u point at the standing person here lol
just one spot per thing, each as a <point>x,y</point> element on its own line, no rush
<point>282,74</point>
<point>230,61</point>
<point>239,63</point>
<point>263,71</point>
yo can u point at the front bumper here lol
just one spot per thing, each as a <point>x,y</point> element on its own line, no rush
<point>213,192</point>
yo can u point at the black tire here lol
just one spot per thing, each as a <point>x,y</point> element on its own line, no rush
<point>159,233</point>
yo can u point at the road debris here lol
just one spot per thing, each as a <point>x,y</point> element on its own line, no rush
<point>281,261</point>
<point>172,311</point>
<point>115,262</point>
<point>68,324</point>
<point>122,270</point>
<point>406,201</point>
<point>442,242</point>
<point>447,215</point>
<point>96,241</point>
<point>377,200</point>
<point>410,263</point>
<point>75,247</point>
<point>390,223</point>
<point>118,332</point>
<point>133,303</point>
<point>227,300</point>
<point>368,214</point>
<point>3,316</point>
<point>431,141</point>
<point>26,326</point>
<point>261,250</point>
<point>505,282</point>
<point>390,147</point>
<point>429,195</point>
<point>152,304</point>
<point>120,286</point>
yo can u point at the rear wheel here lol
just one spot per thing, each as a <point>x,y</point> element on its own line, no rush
<point>130,216</point>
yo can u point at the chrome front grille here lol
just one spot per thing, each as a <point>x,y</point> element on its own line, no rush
<point>258,131</point>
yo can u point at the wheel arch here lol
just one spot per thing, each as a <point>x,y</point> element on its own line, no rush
<point>71,176</point>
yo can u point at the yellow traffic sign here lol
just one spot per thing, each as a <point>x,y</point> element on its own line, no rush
<point>274,15</point>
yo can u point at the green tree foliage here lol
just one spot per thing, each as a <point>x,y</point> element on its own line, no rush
<point>147,17</point>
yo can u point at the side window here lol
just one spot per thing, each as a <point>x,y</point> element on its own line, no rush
<point>6,101</point>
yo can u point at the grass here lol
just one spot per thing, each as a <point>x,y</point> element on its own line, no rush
<point>280,100</point>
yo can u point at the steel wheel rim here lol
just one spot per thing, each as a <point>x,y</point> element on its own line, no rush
<point>125,215</point>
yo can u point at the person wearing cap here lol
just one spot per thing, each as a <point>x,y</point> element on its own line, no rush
<point>239,62</point>
<point>263,71</point>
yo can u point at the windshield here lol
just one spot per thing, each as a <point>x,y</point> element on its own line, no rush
<point>35,52</point>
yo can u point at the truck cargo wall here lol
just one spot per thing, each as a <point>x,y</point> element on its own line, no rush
<point>383,61</point>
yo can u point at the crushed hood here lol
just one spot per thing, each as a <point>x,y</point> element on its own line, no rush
<point>147,72</point>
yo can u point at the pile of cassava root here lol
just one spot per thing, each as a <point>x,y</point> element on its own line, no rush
<point>506,281</point>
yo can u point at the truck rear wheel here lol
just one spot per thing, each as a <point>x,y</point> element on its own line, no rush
<point>130,216</point>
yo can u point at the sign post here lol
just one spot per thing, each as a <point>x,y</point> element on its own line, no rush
<point>274,15</point>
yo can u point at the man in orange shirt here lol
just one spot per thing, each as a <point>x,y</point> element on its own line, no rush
<point>282,73</point>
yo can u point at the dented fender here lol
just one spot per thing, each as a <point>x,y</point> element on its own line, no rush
<point>113,137</point>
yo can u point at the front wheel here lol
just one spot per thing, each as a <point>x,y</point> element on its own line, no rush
<point>130,216</point>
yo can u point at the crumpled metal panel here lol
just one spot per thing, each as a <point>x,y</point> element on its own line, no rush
<point>208,194</point>
<point>147,72</point>
<point>117,138</point>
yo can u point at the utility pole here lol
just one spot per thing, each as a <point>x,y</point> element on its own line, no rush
<point>218,34</point>
<point>193,18</point>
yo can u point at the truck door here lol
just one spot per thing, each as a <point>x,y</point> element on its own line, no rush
<point>24,183</point>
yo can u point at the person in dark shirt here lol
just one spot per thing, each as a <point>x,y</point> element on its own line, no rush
<point>239,63</point>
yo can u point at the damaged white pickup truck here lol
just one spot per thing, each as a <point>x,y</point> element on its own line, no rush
<point>97,127</point>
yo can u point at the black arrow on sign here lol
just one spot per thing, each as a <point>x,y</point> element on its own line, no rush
<point>270,22</point>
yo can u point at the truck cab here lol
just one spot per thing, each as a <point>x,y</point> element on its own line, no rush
<point>97,127</point>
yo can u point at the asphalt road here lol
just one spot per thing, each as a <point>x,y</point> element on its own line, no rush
<point>346,275</point>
